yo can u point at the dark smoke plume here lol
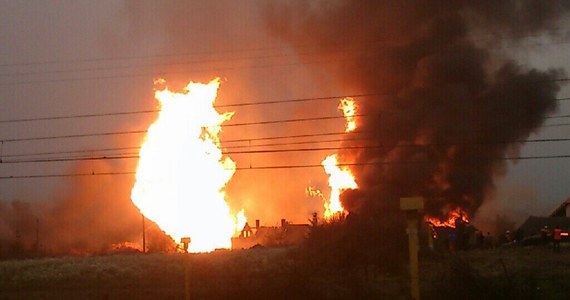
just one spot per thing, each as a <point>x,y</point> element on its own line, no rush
<point>446,110</point>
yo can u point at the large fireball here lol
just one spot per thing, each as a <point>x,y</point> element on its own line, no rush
<point>181,173</point>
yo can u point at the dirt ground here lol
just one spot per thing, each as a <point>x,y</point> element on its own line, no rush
<point>509,273</point>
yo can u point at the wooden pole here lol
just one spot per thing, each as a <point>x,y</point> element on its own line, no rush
<point>411,207</point>
<point>37,236</point>
<point>413,245</point>
<point>186,242</point>
<point>187,275</point>
<point>143,235</point>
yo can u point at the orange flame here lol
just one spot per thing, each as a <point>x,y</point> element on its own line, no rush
<point>348,108</point>
<point>181,173</point>
<point>453,216</point>
<point>339,180</point>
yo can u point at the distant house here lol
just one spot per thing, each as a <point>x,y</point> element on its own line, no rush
<point>559,217</point>
<point>563,210</point>
<point>271,236</point>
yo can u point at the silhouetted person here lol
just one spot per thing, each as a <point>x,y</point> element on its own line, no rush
<point>489,241</point>
<point>452,241</point>
<point>556,237</point>
<point>479,240</point>
<point>544,233</point>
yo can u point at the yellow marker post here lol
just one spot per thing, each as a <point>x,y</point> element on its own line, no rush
<point>411,206</point>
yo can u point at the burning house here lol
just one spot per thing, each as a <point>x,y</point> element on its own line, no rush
<point>270,236</point>
<point>456,233</point>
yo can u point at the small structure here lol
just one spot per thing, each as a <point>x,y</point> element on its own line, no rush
<point>531,229</point>
<point>271,236</point>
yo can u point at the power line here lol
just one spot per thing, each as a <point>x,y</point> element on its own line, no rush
<point>65,175</point>
<point>70,152</point>
<point>155,74</point>
<point>270,102</point>
<point>336,50</point>
<point>334,46</point>
<point>558,117</point>
<point>90,152</point>
<point>141,74</point>
<point>223,125</point>
<point>69,159</point>
<point>79,116</point>
<point>276,167</point>
<point>73,136</point>
<point>295,100</point>
<point>166,64</point>
<point>268,151</point>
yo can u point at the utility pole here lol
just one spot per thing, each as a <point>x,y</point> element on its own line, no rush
<point>411,207</point>
<point>186,242</point>
<point>37,236</point>
<point>143,235</point>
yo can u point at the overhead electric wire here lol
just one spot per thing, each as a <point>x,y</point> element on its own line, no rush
<point>72,136</point>
<point>269,102</point>
<point>275,167</point>
<point>186,54</point>
<point>68,159</point>
<point>488,36</point>
<point>70,152</point>
<point>141,74</point>
<point>166,64</point>
<point>91,152</point>
<point>11,140</point>
<point>78,116</point>
<point>336,50</point>
<point>557,125</point>
<point>156,74</point>
<point>558,117</point>
<point>266,151</point>
<point>294,100</point>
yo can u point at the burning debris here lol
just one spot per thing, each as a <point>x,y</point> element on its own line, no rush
<point>181,173</point>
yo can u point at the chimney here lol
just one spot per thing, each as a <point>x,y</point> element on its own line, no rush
<point>257,224</point>
<point>283,223</point>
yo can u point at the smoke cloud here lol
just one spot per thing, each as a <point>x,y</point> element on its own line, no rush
<point>446,109</point>
<point>91,215</point>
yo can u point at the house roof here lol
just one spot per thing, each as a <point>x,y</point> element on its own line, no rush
<point>532,225</point>
<point>561,210</point>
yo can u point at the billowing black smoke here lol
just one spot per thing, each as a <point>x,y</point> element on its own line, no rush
<point>446,110</point>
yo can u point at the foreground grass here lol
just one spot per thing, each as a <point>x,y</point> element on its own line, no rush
<point>519,273</point>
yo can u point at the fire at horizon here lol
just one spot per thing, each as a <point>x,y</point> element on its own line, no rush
<point>182,173</point>
<point>340,178</point>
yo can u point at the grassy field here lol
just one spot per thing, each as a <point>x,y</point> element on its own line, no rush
<point>514,273</point>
